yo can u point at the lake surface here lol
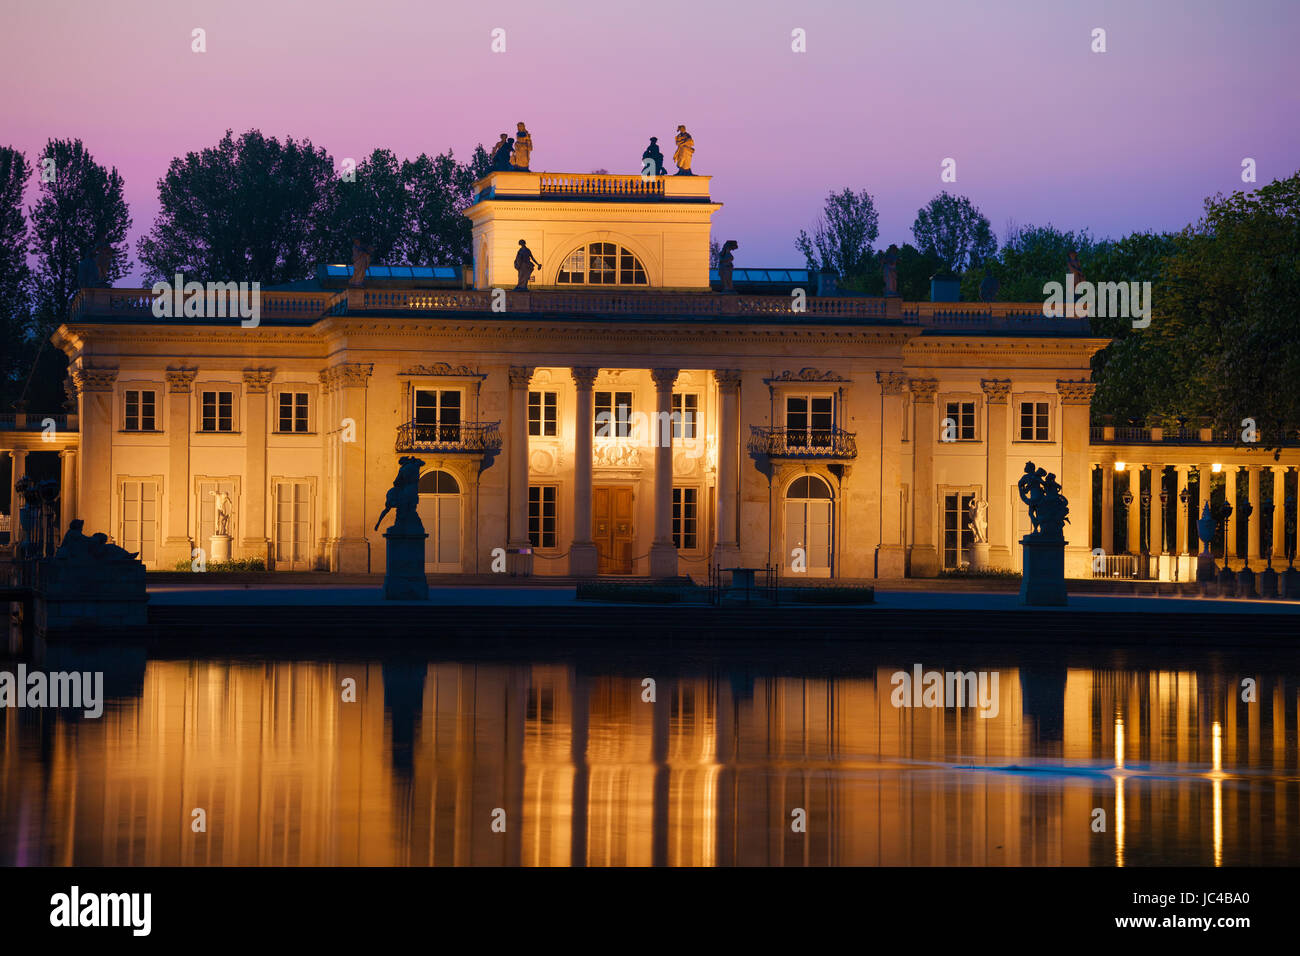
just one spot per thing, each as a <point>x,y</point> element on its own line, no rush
<point>1093,758</point>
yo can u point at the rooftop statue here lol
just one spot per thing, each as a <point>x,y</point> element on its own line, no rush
<point>523,149</point>
<point>77,547</point>
<point>989,285</point>
<point>890,264</point>
<point>501,154</point>
<point>360,263</point>
<point>1048,508</point>
<point>524,263</point>
<point>684,153</point>
<point>405,497</point>
<point>652,160</point>
<point>93,269</point>
<point>726,264</point>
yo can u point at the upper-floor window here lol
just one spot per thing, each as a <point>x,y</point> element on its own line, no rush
<point>439,410</point>
<point>959,422</point>
<point>601,263</point>
<point>542,418</point>
<point>613,415</point>
<point>218,412</point>
<point>140,405</point>
<point>293,412</point>
<point>809,420</point>
<point>1034,419</point>
<point>686,411</point>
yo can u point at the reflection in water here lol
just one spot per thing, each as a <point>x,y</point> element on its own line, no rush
<point>587,772</point>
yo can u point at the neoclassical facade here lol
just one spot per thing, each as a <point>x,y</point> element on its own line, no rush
<point>622,416</point>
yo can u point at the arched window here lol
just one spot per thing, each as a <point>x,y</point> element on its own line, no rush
<point>809,486</point>
<point>438,483</point>
<point>601,263</point>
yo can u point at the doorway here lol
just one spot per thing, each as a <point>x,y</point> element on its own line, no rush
<point>611,528</point>
<point>440,512</point>
<point>809,525</point>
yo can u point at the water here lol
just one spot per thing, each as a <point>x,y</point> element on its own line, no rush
<point>438,753</point>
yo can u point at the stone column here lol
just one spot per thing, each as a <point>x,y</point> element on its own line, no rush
<point>726,546</point>
<point>1157,546</point>
<point>1133,513</point>
<point>95,478</point>
<point>1107,507</point>
<point>19,458</point>
<point>517,534</point>
<point>352,549</point>
<point>256,542</point>
<point>663,555</point>
<point>1230,526</point>
<point>1256,519</point>
<point>583,560</point>
<point>925,556</point>
<point>1180,525</point>
<point>1279,515</point>
<point>177,544</point>
<point>67,488</point>
<point>995,491</point>
<point>1076,472</point>
<point>891,554</point>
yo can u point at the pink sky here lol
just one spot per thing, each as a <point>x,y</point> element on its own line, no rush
<point>1042,128</point>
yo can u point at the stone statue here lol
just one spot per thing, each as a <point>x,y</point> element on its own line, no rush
<point>726,264</point>
<point>524,263</point>
<point>501,154</point>
<point>103,262</point>
<point>360,263</point>
<point>684,153</point>
<point>652,160</point>
<point>1048,508</point>
<point>405,497</point>
<point>979,520</point>
<point>523,150</point>
<point>1073,267</point>
<point>890,264</point>
<point>989,285</point>
<point>77,547</point>
<point>221,514</point>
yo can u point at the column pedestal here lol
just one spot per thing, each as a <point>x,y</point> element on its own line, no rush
<point>404,578</point>
<point>1042,583</point>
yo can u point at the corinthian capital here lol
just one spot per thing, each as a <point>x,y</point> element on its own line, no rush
<point>584,376</point>
<point>1075,392</point>
<point>94,379</point>
<point>521,375</point>
<point>180,380</point>
<point>923,389</point>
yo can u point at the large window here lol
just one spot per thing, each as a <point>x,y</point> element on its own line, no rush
<point>140,410</point>
<point>601,263</point>
<point>962,427</point>
<point>218,412</point>
<point>1034,418</point>
<point>293,412</point>
<point>541,515</point>
<point>809,420</point>
<point>613,415</point>
<point>140,518</point>
<point>437,414</point>
<point>684,518</point>
<point>686,410</point>
<point>542,416</point>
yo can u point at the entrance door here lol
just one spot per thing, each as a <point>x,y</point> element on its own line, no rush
<point>957,534</point>
<point>809,525</point>
<point>611,524</point>
<point>439,510</point>
<point>293,539</point>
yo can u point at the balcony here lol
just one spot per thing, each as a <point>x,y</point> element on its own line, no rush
<point>802,443</point>
<point>468,438</point>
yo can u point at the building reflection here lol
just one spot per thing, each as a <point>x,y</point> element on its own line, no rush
<point>550,765</point>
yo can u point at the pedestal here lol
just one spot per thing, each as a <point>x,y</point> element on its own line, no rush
<point>219,548</point>
<point>979,556</point>
<point>1246,583</point>
<point>584,560</point>
<point>91,594</point>
<point>1268,583</point>
<point>1206,572</point>
<point>1042,583</point>
<point>404,578</point>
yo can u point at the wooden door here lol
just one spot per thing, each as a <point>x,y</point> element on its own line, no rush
<point>611,524</point>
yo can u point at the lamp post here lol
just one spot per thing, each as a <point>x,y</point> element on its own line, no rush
<point>1185,497</point>
<point>1146,552</point>
<point>1127,498</point>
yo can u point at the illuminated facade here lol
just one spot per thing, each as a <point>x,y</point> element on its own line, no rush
<point>622,416</point>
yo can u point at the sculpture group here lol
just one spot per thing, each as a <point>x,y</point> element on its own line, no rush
<point>1048,508</point>
<point>515,154</point>
<point>1042,579</point>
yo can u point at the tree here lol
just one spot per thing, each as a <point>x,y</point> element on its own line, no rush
<point>1032,256</point>
<point>371,207</point>
<point>842,237</point>
<point>79,207</point>
<point>439,190</point>
<point>250,209</point>
<point>17,334</point>
<point>954,231</point>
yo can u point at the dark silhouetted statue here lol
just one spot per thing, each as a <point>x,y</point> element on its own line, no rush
<point>524,263</point>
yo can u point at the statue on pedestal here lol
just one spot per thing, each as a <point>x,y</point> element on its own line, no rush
<point>524,264</point>
<point>404,578</point>
<point>1048,508</point>
<point>1042,579</point>
<point>221,515</point>
<point>979,520</point>
<point>405,497</point>
<point>727,264</point>
<point>523,150</point>
<point>652,160</point>
<point>989,285</point>
<point>889,262</point>
<point>360,263</point>
<point>685,152</point>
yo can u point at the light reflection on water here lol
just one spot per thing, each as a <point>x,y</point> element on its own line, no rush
<point>414,771</point>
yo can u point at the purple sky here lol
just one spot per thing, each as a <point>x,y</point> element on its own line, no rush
<point>1042,128</point>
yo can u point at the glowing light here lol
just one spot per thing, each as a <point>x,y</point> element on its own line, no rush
<point>1216,468</point>
<point>1119,466</point>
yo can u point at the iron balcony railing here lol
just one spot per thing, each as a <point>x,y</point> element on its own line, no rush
<point>468,437</point>
<point>1182,435</point>
<point>777,442</point>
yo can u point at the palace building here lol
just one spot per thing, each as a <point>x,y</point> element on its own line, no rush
<point>626,415</point>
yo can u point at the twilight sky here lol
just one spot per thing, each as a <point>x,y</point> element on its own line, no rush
<point>1042,128</point>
